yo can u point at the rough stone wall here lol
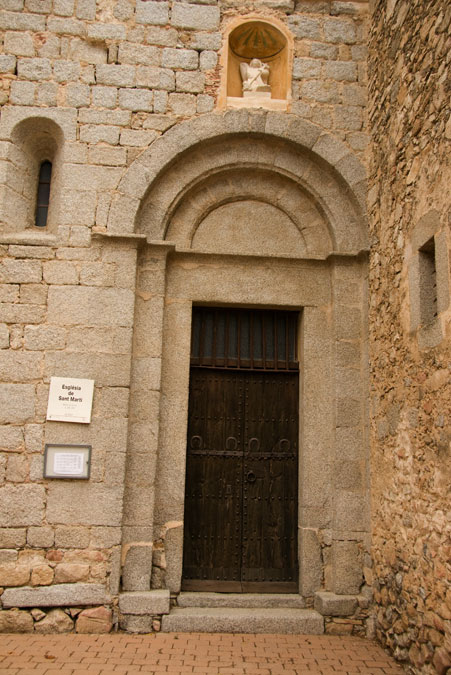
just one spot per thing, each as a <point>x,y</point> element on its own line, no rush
<point>410,352</point>
<point>101,81</point>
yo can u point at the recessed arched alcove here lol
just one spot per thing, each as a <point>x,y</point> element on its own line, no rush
<point>34,140</point>
<point>266,39</point>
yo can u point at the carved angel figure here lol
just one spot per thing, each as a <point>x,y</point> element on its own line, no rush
<point>255,76</point>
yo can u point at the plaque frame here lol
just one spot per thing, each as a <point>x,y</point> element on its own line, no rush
<point>52,450</point>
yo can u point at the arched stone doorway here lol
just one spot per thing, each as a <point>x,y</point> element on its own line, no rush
<point>261,210</point>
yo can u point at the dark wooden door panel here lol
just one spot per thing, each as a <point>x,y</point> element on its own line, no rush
<point>213,501</point>
<point>241,481</point>
<point>270,478</point>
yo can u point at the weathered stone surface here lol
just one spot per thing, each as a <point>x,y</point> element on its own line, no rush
<point>15,621</point>
<point>147,602</point>
<point>330,604</point>
<point>95,620</point>
<point>21,505</point>
<point>56,621</point>
<point>42,575</point>
<point>62,595</point>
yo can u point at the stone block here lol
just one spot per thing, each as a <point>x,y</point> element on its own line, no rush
<point>21,505</point>
<point>16,403</point>
<point>62,595</point>
<point>116,75</point>
<point>71,573</point>
<point>98,117</point>
<point>7,63</point>
<point>100,133</point>
<point>80,50</point>
<point>135,99</point>
<point>47,94</point>
<point>66,26</point>
<point>339,31</point>
<point>138,54</point>
<point>90,178</point>
<point>136,624</point>
<point>4,336</point>
<point>20,271</point>
<point>77,95</point>
<point>60,272</point>
<point>65,71</point>
<point>319,50</point>
<point>330,604</point>
<point>305,27</point>
<point>155,78</point>
<point>18,43</point>
<point>182,104</point>
<point>194,17</point>
<point>20,366</point>
<point>13,574</point>
<point>341,70</point>
<point>348,412</point>
<point>13,5</point>
<point>22,21</point>
<point>86,9</point>
<point>104,97</point>
<point>63,7</point>
<point>72,537</point>
<point>42,575</point>
<point>192,83</point>
<point>40,537</point>
<point>16,621</point>
<point>153,13</point>
<point>311,571</point>
<point>205,103</point>
<point>137,138</point>
<point>304,68</point>
<point>347,567</point>
<point>56,621</point>
<point>94,620</point>
<point>348,117</point>
<point>137,568</point>
<point>107,157</point>
<point>208,60</point>
<point>320,91</point>
<point>160,101</point>
<point>22,93</point>
<point>163,37</point>
<point>207,41</point>
<point>87,504</point>
<point>186,59</point>
<point>351,512</point>
<point>11,438</point>
<point>145,602</point>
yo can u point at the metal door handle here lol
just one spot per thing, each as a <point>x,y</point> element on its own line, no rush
<point>251,477</point>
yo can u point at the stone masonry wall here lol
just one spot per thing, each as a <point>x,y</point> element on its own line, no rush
<point>100,81</point>
<point>410,352</point>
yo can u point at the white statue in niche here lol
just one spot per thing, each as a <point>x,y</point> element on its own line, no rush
<point>255,77</point>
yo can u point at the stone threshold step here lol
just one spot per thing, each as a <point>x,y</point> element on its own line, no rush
<point>239,620</point>
<point>191,599</point>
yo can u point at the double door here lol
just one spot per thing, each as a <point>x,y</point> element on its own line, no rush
<point>240,528</point>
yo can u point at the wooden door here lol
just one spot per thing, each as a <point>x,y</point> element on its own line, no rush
<point>241,479</point>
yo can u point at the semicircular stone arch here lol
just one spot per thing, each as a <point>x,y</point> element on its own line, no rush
<point>193,183</point>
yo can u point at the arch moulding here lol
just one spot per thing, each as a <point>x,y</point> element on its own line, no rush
<point>155,184</point>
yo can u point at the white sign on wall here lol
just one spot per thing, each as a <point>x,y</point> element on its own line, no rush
<point>70,400</point>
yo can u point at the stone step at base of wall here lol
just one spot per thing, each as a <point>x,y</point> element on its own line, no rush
<point>245,600</point>
<point>243,620</point>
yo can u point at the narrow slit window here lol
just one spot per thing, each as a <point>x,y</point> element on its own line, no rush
<point>43,197</point>
<point>428,282</point>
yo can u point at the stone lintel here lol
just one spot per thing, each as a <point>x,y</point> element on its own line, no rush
<point>331,604</point>
<point>60,595</point>
<point>145,602</point>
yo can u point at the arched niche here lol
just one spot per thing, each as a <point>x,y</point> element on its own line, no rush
<point>33,140</point>
<point>255,37</point>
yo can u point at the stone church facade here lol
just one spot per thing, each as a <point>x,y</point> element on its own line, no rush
<point>199,254</point>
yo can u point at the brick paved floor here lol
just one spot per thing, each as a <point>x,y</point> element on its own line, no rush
<point>215,654</point>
